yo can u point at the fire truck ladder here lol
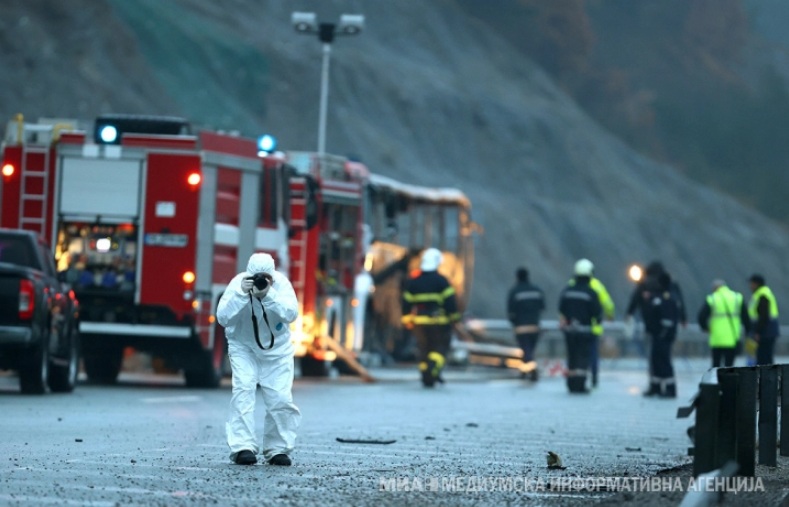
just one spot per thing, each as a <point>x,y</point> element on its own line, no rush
<point>31,193</point>
<point>299,264</point>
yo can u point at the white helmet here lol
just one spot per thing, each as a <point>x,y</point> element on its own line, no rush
<point>584,267</point>
<point>431,259</point>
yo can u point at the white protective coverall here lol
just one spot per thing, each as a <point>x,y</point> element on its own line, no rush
<point>271,369</point>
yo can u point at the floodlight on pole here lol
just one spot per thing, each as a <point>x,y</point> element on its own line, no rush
<point>307,23</point>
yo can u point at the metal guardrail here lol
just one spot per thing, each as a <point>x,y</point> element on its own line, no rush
<point>727,406</point>
<point>488,334</point>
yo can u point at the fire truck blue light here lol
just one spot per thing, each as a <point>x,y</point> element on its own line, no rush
<point>108,134</point>
<point>267,143</point>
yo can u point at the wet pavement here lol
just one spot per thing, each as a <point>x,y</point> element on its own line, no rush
<point>480,439</point>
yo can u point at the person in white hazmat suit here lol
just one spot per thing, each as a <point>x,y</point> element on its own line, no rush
<point>261,353</point>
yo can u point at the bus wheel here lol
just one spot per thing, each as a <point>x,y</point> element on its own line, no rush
<point>102,365</point>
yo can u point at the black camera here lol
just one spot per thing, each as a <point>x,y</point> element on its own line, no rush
<point>260,281</point>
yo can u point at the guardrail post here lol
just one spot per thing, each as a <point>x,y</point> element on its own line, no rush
<point>768,414</point>
<point>784,407</point>
<point>746,420</point>
<point>705,439</point>
<point>727,423</point>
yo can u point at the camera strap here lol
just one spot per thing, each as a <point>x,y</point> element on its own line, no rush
<point>255,324</point>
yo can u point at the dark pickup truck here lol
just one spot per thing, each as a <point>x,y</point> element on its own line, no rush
<point>39,316</point>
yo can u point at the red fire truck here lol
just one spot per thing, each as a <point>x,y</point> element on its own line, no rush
<point>326,259</point>
<point>150,220</point>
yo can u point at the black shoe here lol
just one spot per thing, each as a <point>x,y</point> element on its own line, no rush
<point>535,376</point>
<point>654,390</point>
<point>246,458</point>
<point>280,459</point>
<point>427,378</point>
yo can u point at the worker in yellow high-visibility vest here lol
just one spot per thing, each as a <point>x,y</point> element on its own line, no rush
<point>723,315</point>
<point>763,313</point>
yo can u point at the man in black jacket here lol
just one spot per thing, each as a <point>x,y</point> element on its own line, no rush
<point>642,294</point>
<point>661,315</point>
<point>579,308</point>
<point>525,303</point>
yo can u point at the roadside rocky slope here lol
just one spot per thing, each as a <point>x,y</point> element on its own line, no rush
<point>425,94</point>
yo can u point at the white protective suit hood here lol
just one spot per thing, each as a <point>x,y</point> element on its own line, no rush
<point>260,263</point>
<point>431,259</point>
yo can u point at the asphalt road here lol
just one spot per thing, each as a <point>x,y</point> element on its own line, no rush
<point>479,440</point>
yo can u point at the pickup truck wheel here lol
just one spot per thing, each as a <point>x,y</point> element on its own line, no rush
<point>63,371</point>
<point>34,370</point>
<point>103,365</point>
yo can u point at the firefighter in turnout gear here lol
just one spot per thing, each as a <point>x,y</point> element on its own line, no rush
<point>525,303</point>
<point>579,309</point>
<point>661,318</point>
<point>586,266</point>
<point>429,310</point>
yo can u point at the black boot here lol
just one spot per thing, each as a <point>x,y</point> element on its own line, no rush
<point>654,389</point>
<point>670,391</point>
<point>280,459</point>
<point>427,374</point>
<point>577,384</point>
<point>245,458</point>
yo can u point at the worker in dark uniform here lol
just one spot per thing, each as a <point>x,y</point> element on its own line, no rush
<point>525,303</point>
<point>641,295</point>
<point>429,310</point>
<point>661,318</point>
<point>579,308</point>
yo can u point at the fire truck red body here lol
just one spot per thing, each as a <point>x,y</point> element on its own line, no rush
<point>327,248</point>
<point>148,226</point>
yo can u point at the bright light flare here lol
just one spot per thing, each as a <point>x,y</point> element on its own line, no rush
<point>194,179</point>
<point>635,273</point>
<point>108,134</point>
<point>8,170</point>
<point>103,244</point>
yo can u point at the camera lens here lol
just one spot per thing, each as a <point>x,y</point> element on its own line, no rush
<point>260,282</point>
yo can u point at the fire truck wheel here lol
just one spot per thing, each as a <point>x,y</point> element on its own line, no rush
<point>63,371</point>
<point>34,369</point>
<point>103,365</point>
<point>205,368</point>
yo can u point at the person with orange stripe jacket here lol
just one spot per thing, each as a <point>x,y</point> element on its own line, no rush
<point>429,309</point>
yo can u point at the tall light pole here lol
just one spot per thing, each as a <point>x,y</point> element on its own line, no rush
<point>307,23</point>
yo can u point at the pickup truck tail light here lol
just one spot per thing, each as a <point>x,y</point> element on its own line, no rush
<point>27,299</point>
